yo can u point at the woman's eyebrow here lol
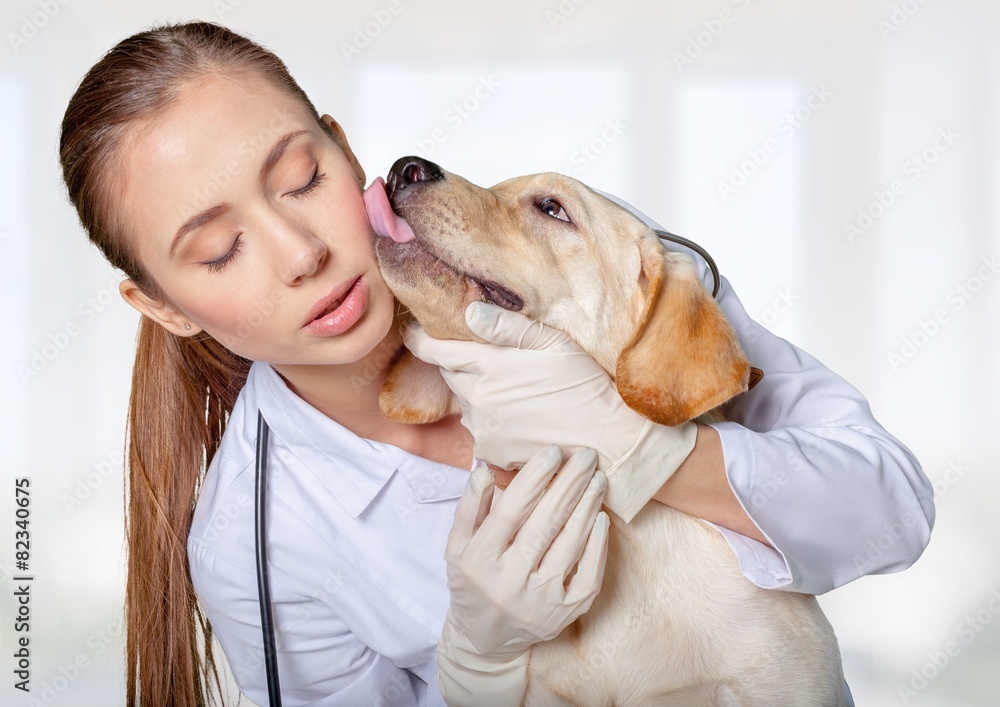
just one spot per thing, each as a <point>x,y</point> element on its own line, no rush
<point>196,222</point>
<point>278,150</point>
<point>203,217</point>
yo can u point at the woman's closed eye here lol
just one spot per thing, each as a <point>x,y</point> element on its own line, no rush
<point>219,263</point>
<point>314,182</point>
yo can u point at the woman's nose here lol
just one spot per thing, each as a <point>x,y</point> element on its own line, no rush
<point>300,253</point>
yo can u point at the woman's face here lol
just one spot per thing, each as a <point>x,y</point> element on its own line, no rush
<point>251,220</point>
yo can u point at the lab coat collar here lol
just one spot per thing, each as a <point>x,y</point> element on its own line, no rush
<point>353,468</point>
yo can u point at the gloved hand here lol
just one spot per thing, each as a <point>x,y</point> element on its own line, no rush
<point>506,596</point>
<point>537,385</point>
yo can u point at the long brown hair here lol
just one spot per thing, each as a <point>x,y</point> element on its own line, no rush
<point>183,388</point>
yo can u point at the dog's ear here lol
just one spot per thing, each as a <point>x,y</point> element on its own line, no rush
<point>684,358</point>
<point>414,392</point>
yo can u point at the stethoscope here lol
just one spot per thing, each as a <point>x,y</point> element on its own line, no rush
<point>260,521</point>
<point>263,583</point>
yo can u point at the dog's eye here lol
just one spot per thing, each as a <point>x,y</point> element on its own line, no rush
<point>553,208</point>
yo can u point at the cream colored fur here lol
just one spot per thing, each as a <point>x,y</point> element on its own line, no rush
<point>676,622</point>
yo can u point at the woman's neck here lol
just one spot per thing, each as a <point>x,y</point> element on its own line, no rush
<point>348,394</point>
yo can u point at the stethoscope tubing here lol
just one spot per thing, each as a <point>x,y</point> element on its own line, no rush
<point>263,581</point>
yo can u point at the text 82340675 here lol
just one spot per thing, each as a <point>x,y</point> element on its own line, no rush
<point>22,583</point>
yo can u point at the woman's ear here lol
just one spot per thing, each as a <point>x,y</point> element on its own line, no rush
<point>684,358</point>
<point>156,309</point>
<point>341,139</point>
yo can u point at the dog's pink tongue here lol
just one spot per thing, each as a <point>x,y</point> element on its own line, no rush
<point>381,216</point>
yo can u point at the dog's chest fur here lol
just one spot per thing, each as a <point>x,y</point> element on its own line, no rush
<point>676,623</point>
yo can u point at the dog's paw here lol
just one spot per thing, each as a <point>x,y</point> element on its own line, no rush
<point>414,392</point>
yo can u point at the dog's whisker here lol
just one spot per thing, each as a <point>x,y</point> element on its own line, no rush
<point>410,209</point>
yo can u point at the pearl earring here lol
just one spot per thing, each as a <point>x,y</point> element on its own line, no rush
<point>188,327</point>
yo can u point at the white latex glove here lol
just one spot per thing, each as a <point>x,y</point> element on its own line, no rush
<point>508,569</point>
<point>533,385</point>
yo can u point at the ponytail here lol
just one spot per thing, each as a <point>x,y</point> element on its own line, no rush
<point>183,390</point>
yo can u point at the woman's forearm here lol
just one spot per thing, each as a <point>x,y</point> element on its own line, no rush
<point>700,488</point>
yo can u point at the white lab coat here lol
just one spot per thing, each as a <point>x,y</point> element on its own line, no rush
<point>357,528</point>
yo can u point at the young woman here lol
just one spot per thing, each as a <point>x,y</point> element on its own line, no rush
<point>203,172</point>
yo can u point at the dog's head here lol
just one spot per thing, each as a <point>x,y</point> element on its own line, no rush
<point>551,248</point>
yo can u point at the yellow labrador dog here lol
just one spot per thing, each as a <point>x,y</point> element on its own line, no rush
<point>676,622</point>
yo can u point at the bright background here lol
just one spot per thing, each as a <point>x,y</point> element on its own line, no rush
<point>660,103</point>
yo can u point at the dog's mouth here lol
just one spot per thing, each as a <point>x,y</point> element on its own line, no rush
<point>497,294</point>
<point>399,246</point>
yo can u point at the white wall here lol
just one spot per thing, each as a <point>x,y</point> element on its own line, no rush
<point>556,77</point>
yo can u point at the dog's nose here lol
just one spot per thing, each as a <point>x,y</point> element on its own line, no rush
<point>407,171</point>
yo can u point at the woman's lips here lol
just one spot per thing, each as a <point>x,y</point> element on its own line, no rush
<point>337,314</point>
